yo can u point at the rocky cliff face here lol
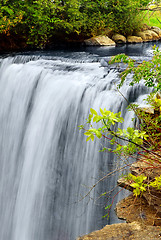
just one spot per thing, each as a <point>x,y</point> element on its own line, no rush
<point>142,214</point>
<point>152,196</point>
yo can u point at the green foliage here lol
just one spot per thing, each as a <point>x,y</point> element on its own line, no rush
<point>156,183</point>
<point>9,18</point>
<point>138,184</point>
<point>149,71</point>
<point>151,18</point>
<point>151,122</point>
<point>30,19</point>
<point>152,14</point>
<point>108,207</point>
<point>94,16</point>
<point>147,140</point>
<point>124,15</point>
<point>39,20</point>
<point>133,138</point>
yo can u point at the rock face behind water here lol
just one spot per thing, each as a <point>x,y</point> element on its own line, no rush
<point>125,231</point>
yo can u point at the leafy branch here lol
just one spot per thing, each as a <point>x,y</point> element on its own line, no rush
<point>143,143</point>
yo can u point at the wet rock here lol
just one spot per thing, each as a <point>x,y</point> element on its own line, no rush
<point>148,35</point>
<point>146,108</point>
<point>156,30</point>
<point>99,41</point>
<point>120,67</point>
<point>134,39</point>
<point>153,34</point>
<point>144,36</point>
<point>119,38</point>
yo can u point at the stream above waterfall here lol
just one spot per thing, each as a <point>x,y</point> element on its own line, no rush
<point>46,165</point>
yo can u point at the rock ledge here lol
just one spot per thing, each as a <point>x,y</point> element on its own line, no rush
<point>125,231</point>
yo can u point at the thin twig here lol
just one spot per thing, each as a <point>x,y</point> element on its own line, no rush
<point>102,179</point>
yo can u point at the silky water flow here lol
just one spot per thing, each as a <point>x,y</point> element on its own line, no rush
<point>46,165</point>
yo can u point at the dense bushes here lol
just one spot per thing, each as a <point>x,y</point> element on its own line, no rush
<point>30,19</point>
<point>39,20</point>
<point>124,15</point>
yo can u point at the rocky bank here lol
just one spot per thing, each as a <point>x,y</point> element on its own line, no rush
<point>111,39</point>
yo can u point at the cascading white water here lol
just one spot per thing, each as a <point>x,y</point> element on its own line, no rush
<point>46,166</point>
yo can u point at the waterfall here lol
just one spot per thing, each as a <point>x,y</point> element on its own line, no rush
<point>46,165</point>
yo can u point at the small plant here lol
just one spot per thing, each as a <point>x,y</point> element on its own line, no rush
<point>138,184</point>
<point>156,183</point>
<point>134,138</point>
<point>108,207</point>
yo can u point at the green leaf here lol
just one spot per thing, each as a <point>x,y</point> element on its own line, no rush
<point>134,185</point>
<point>103,149</point>
<point>142,188</point>
<point>81,127</point>
<point>87,133</point>
<point>106,216</point>
<point>130,130</point>
<point>92,137</point>
<point>101,111</point>
<point>98,134</point>
<point>108,206</point>
<point>93,111</point>
<point>97,118</point>
<point>136,192</point>
<point>88,138</point>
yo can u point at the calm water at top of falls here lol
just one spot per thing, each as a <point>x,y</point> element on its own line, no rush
<point>46,166</point>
